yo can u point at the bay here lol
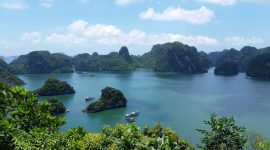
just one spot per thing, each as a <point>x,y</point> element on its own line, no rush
<point>178,101</point>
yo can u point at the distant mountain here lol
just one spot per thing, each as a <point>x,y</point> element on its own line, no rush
<point>175,57</point>
<point>9,59</point>
<point>114,61</point>
<point>38,62</point>
<point>240,57</point>
<point>6,77</point>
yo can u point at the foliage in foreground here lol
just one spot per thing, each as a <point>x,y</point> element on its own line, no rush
<point>224,134</point>
<point>26,124</point>
<point>20,113</point>
<point>257,142</point>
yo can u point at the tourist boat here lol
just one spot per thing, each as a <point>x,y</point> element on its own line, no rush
<point>89,98</point>
<point>91,75</point>
<point>134,114</point>
<point>130,119</point>
<point>84,110</point>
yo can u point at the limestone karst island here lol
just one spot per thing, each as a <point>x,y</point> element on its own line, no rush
<point>134,75</point>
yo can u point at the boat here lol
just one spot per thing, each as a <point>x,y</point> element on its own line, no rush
<point>130,119</point>
<point>134,114</point>
<point>89,98</point>
<point>91,75</point>
<point>84,110</point>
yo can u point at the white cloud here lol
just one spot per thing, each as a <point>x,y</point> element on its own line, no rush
<point>220,2</point>
<point>196,16</point>
<point>70,39</point>
<point>46,3</point>
<point>83,28</point>
<point>243,41</point>
<point>125,2</point>
<point>81,32</point>
<point>13,4</point>
<point>33,37</point>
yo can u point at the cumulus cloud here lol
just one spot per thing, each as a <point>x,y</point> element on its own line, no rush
<point>33,37</point>
<point>46,3</point>
<point>81,32</point>
<point>196,16</point>
<point>70,39</point>
<point>13,4</point>
<point>220,2</point>
<point>242,41</point>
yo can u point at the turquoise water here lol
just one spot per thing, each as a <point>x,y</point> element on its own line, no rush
<point>178,101</point>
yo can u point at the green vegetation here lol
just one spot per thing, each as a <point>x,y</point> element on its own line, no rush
<point>6,77</point>
<point>257,142</point>
<point>110,98</point>
<point>9,79</point>
<point>39,62</point>
<point>54,87</point>
<point>57,107</point>
<point>259,67</point>
<point>27,124</point>
<point>224,134</point>
<point>175,57</point>
<point>241,58</point>
<point>114,61</point>
<point>226,69</point>
<point>21,114</point>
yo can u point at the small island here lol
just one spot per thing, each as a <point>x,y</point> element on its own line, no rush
<point>110,98</point>
<point>226,69</point>
<point>53,87</point>
<point>57,107</point>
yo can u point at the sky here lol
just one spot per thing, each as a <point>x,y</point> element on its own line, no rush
<point>103,26</point>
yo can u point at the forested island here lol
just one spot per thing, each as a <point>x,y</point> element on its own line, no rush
<point>168,57</point>
<point>175,57</point>
<point>110,98</point>
<point>53,87</point>
<point>41,62</point>
<point>115,61</point>
<point>227,68</point>
<point>259,67</point>
<point>7,77</point>
<point>57,107</point>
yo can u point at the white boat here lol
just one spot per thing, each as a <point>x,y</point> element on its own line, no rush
<point>130,119</point>
<point>89,98</point>
<point>134,114</point>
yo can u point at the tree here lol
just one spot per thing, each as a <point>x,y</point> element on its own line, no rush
<point>224,134</point>
<point>20,112</point>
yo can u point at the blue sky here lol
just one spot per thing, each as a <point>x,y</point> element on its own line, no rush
<point>77,26</point>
